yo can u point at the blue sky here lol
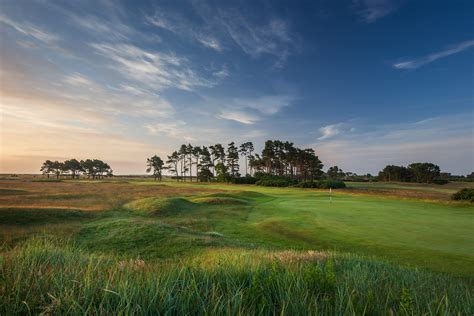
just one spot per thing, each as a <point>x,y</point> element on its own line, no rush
<point>365,83</point>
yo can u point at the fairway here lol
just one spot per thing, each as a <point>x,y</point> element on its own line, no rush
<point>424,234</point>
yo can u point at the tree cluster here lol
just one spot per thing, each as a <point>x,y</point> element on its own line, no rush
<point>93,168</point>
<point>220,163</point>
<point>284,159</point>
<point>421,172</point>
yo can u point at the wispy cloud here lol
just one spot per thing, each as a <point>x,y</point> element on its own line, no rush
<point>153,69</point>
<point>416,63</point>
<point>30,30</point>
<point>238,116</point>
<point>179,25</point>
<point>250,110</point>
<point>272,37</point>
<point>218,26</point>
<point>370,11</point>
<point>267,105</point>
<point>175,129</point>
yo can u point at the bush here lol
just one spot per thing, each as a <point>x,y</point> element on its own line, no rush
<point>322,184</point>
<point>245,180</point>
<point>276,181</point>
<point>464,195</point>
<point>440,181</point>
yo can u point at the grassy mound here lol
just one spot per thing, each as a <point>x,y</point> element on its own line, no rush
<point>161,206</point>
<point>58,278</point>
<point>219,200</point>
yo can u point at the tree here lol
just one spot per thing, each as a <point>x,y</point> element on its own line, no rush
<point>395,173</point>
<point>222,174</point>
<point>218,154</point>
<point>47,168</point>
<point>57,168</point>
<point>172,162</point>
<point>246,150</point>
<point>101,168</point>
<point>89,168</point>
<point>196,153</point>
<point>424,172</point>
<point>232,160</point>
<point>204,165</point>
<point>335,173</point>
<point>183,154</point>
<point>74,166</point>
<point>155,164</point>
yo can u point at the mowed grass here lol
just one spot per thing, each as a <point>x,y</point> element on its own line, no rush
<point>188,248</point>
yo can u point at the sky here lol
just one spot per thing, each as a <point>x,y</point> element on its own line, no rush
<point>365,83</point>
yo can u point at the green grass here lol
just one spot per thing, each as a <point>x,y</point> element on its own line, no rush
<point>51,277</point>
<point>238,249</point>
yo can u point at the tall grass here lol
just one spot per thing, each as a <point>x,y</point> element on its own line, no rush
<point>57,277</point>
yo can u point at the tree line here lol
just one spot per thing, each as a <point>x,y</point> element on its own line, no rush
<point>92,168</point>
<point>221,163</point>
<point>421,172</point>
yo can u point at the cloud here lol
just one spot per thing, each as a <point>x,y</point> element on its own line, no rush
<point>271,38</point>
<point>267,105</point>
<point>76,79</point>
<point>175,129</point>
<point>156,70</point>
<point>416,63</point>
<point>30,30</point>
<point>446,141</point>
<point>250,110</point>
<point>328,131</point>
<point>219,25</point>
<point>179,25</point>
<point>370,11</point>
<point>238,116</point>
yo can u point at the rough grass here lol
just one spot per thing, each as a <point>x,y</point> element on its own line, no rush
<point>189,248</point>
<point>51,277</point>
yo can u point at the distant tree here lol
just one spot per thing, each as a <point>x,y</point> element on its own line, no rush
<point>73,166</point>
<point>196,154</point>
<point>183,153</point>
<point>89,168</point>
<point>222,174</point>
<point>395,173</point>
<point>246,150</point>
<point>335,173</point>
<point>173,161</point>
<point>101,168</point>
<point>424,172</point>
<point>232,160</point>
<point>470,176</point>
<point>189,154</point>
<point>155,164</point>
<point>47,168</point>
<point>218,154</point>
<point>205,165</point>
<point>57,168</point>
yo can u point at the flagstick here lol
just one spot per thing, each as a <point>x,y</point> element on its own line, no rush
<point>330,195</point>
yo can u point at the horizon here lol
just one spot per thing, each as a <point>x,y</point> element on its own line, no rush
<point>364,83</point>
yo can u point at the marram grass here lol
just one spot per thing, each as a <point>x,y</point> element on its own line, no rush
<point>58,278</point>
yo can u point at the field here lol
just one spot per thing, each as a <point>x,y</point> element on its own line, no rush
<point>131,245</point>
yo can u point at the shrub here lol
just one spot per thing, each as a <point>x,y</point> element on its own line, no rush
<point>440,181</point>
<point>322,184</point>
<point>245,180</point>
<point>464,195</point>
<point>275,182</point>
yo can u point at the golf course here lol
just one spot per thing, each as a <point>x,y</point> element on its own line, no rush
<point>141,246</point>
